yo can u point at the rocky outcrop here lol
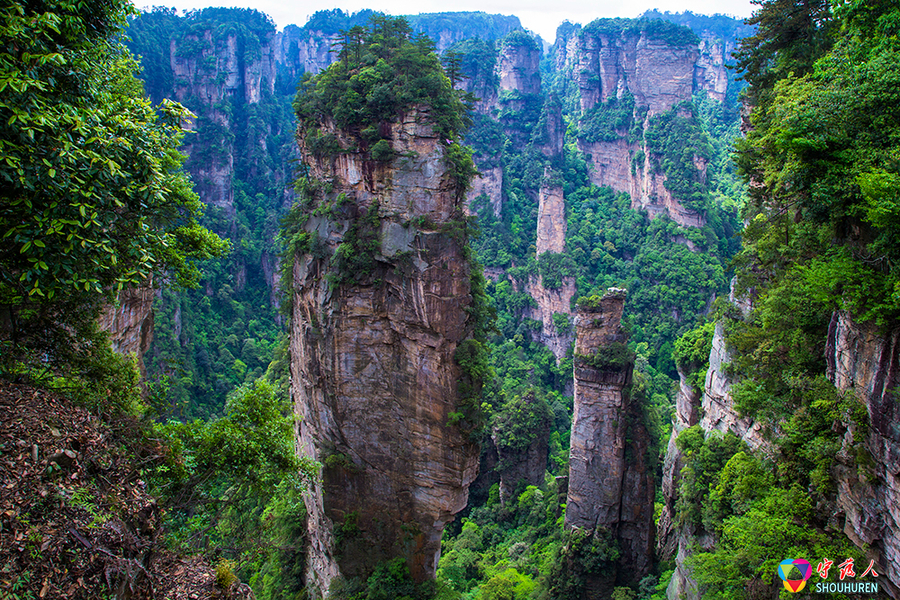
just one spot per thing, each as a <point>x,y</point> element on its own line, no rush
<point>860,360</point>
<point>551,237</point>
<point>299,51</point>
<point>211,72</point>
<point>610,482</point>
<point>611,60</point>
<point>608,61</point>
<point>521,439</point>
<point>551,225</point>
<point>519,65</point>
<point>548,302</point>
<point>865,361</point>
<point>130,322</point>
<point>717,407</point>
<point>489,182</point>
<point>710,73</point>
<point>714,410</point>
<point>374,379</point>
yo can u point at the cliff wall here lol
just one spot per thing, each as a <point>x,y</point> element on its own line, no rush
<point>213,73</point>
<point>865,361</point>
<point>860,360</point>
<point>714,410</point>
<point>130,322</point>
<point>659,71</point>
<point>300,51</point>
<point>610,482</point>
<point>373,373</point>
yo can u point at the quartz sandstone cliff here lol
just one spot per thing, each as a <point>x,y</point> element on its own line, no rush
<point>865,361</point>
<point>860,360</point>
<point>551,237</point>
<point>659,74</point>
<point>374,380</point>
<point>220,74</point>
<point>610,481</point>
<point>130,322</point>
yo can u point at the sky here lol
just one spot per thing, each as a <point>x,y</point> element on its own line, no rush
<point>540,16</point>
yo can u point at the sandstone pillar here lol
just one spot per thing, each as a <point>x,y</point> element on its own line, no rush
<point>610,480</point>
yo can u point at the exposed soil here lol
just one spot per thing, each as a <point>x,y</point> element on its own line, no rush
<point>76,519</point>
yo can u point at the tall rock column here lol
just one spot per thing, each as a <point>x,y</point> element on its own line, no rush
<point>610,481</point>
<point>551,237</point>
<point>374,349</point>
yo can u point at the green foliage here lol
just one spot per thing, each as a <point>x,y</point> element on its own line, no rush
<point>505,551</point>
<point>664,31</point>
<point>508,585</point>
<point>382,73</point>
<point>520,421</point>
<point>209,341</point>
<point>692,353</point>
<point>460,168</point>
<point>824,145</point>
<point>468,25</point>
<point>615,356</point>
<point>759,511</point>
<point>225,576</point>
<point>354,258</point>
<point>562,322</point>
<point>676,142</point>
<point>608,121</point>
<point>93,196</point>
<point>93,199</point>
<point>553,267</point>
<point>477,59</point>
<point>224,473</point>
<point>584,555</point>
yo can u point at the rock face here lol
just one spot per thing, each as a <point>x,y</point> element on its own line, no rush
<point>489,182</point>
<point>300,51</point>
<point>519,66</point>
<point>610,482</point>
<point>130,324</point>
<point>222,72</point>
<point>523,462</point>
<point>551,226</point>
<point>860,360</point>
<point>658,73</point>
<point>608,62</point>
<point>551,237</point>
<point>550,302</point>
<point>865,361</point>
<point>373,372</point>
<point>715,405</point>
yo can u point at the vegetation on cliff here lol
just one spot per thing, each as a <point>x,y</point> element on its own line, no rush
<point>381,73</point>
<point>820,237</point>
<point>211,340</point>
<point>94,201</point>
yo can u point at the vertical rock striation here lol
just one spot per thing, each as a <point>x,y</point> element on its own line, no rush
<point>656,66</point>
<point>225,72</point>
<point>374,378</point>
<point>610,481</point>
<point>861,360</point>
<point>551,237</point>
<point>866,361</point>
<point>130,322</point>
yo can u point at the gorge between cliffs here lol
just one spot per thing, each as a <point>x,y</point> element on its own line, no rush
<point>452,312</point>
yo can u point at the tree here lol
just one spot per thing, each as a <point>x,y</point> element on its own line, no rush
<point>92,198</point>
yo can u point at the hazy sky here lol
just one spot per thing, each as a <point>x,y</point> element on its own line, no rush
<point>540,16</point>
